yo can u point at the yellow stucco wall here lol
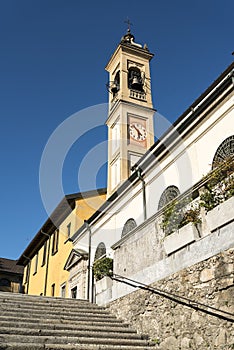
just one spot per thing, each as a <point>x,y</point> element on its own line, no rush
<point>86,207</point>
<point>37,279</point>
<point>56,275</point>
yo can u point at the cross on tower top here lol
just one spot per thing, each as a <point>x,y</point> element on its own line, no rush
<point>129,24</point>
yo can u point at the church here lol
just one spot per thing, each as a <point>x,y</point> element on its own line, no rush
<point>159,251</point>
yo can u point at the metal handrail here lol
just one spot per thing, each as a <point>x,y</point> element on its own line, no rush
<point>210,310</point>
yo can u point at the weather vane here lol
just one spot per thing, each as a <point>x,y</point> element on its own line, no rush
<point>129,24</point>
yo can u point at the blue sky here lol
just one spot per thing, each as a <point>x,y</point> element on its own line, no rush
<point>52,59</point>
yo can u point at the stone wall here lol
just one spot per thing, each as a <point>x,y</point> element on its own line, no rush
<point>174,326</point>
<point>141,255</point>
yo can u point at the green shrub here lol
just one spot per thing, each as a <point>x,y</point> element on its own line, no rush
<point>219,186</point>
<point>178,214</point>
<point>103,267</point>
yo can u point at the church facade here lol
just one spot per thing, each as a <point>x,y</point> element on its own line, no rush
<point>141,183</point>
<point>170,203</point>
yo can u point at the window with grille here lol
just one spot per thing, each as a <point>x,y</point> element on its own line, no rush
<point>224,151</point>
<point>129,225</point>
<point>170,193</point>
<point>100,251</point>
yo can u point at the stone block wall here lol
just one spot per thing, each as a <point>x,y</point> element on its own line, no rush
<point>174,326</point>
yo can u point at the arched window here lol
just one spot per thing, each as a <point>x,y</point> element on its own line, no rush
<point>224,151</point>
<point>100,251</point>
<point>116,84</point>
<point>129,225</point>
<point>134,79</point>
<point>168,195</point>
<point>117,79</point>
<point>4,282</point>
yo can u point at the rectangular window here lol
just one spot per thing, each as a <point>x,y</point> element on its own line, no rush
<point>133,159</point>
<point>69,230</point>
<point>115,137</point>
<point>27,273</point>
<point>63,290</point>
<point>53,290</point>
<point>55,242</point>
<point>44,254</point>
<point>74,293</point>
<point>115,173</point>
<point>35,264</point>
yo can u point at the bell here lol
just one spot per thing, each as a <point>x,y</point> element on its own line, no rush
<point>136,84</point>
<point>114,89</point>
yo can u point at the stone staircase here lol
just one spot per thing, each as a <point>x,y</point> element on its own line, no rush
<point>33,323</point>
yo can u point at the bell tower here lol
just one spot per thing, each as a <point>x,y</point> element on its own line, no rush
<point>130,118</point>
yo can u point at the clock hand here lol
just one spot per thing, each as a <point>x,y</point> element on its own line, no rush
<point>137,130</point>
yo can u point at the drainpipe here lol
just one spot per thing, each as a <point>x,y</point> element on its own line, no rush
<point>28,272</point>
<point>93,296</point>
<point>47,262</point>
<point>89,259</point>
<point>140,177</point>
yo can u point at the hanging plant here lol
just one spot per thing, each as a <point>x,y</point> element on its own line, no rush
<point>103,267</point>
<point>191,215</point>
<point>179,214</point>
<point>171,218</point>
<point>219,186</point>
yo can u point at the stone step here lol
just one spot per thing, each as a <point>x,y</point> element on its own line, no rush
<point>86,333</point>
<point>63,320</point>
<point>51,310</point>
<point>33,346</point>
<point>83,304</point>
<point>63,316</point>
<point>36,298</point>
<point>34,323</point>
<point>46,339</point>
<point>107,327</point>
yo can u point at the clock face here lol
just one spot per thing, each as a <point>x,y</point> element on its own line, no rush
<point>137,132</point>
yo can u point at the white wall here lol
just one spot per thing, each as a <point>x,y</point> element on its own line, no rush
<point>183,167</point>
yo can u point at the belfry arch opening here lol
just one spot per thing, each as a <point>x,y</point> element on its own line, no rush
<point>116,84</point>
<point>135,79</point>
